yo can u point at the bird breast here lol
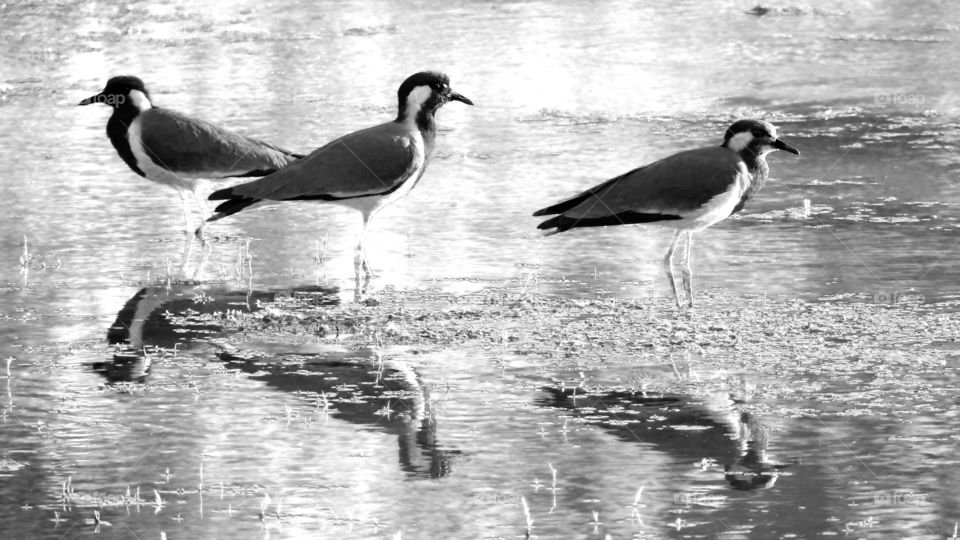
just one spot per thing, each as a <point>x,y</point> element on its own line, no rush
<point>720,206</point>
<point>146,164</point>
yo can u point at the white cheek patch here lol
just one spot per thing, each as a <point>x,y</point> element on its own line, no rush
<point>416,98</point>
<point>740,141</point>
<point>139,100</point>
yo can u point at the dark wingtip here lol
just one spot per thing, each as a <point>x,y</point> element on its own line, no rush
<point>558,222</point>
<point>232,206</point>
<point>563,223</point>
<point>231,203</point>
<point>221,194</point>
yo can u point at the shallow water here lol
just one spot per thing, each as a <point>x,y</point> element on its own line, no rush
<point>568,94</point>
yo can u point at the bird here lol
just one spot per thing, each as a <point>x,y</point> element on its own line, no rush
<point>176,150</point>
<point>687,192</point>
<point>365,170</point>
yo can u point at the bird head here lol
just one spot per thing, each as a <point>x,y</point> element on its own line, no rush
<point>757,137</point>
<point>121,91</point>
<point>426,92</point>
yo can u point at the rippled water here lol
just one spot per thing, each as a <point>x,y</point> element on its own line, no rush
<point>567,94</point>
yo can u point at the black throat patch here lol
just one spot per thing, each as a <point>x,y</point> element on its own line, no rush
<point>117,128</point>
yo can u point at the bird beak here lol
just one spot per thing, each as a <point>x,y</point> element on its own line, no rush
<point>92,99</point>
<point>453,96</point>
<point>780,145</point>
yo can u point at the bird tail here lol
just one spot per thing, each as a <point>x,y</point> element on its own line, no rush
<point>578,199</point>
<point>557,223</point>
<point>562,206</point>
<point>563,223</point>
<point>560,222</point>
<point>232,203</point>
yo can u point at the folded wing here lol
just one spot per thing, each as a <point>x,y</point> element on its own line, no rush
<point>672,188</point>
<point>374,161</point>
<point>191,146</point>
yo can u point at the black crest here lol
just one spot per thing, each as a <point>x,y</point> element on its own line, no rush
<point>437,81</point>
<point>123,84</point>
<point>755,127</point>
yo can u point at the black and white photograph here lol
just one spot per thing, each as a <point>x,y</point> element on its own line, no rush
<point>479,269</point>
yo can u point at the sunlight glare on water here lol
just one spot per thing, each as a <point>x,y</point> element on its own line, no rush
<point>442,443</point>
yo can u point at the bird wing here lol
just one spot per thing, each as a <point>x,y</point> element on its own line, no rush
<point>372,161</point>
<point>188,145</point>
<point>677,185</point>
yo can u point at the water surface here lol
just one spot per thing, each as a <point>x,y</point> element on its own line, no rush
<point>443,444</point>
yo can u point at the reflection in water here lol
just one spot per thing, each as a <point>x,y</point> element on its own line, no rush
<point>174,317</point>
<point>880,175</point>
<point>688,428</point>
<point>126,366</point>
<point>365,391</point>
<point>369,391</point>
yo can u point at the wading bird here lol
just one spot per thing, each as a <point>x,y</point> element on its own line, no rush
<point>177,150</point>
<point>688,192</point>
<point>365,170</point>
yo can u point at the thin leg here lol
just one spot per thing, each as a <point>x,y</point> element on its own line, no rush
<point>188,241</point>
<point>201,232</point>
<point>204,214</point>
<point>688,270</point>
<point>202,203</point>
<point>360,259</point>
<point>187,218</point>
<point>367,269</point>
<point>205,250</point>
<point>668,266</point>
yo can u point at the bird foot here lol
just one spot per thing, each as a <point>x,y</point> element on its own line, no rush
<point>200,232</point>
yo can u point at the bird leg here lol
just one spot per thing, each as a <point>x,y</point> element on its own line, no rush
<point>687,270</point>
<point>367,269</point>
<point>202,202</point>
<point>187,251</point>
<point>204,214</point>
<point>360,259</point>
<point>187,218</point>
<point>205,250</point>
<point>668,265</point>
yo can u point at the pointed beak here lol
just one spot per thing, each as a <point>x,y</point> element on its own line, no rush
<point>780,145</point>
<point>92,99</point>
<point>453,96</point>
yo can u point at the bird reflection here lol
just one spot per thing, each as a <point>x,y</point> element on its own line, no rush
<point>752,470</point>
<point>699,429</point>
<point>365,391</point>
<point>176,317</point>
<point>362,388</point>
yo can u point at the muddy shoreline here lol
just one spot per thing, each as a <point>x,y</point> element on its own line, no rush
<point>765,335</point>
